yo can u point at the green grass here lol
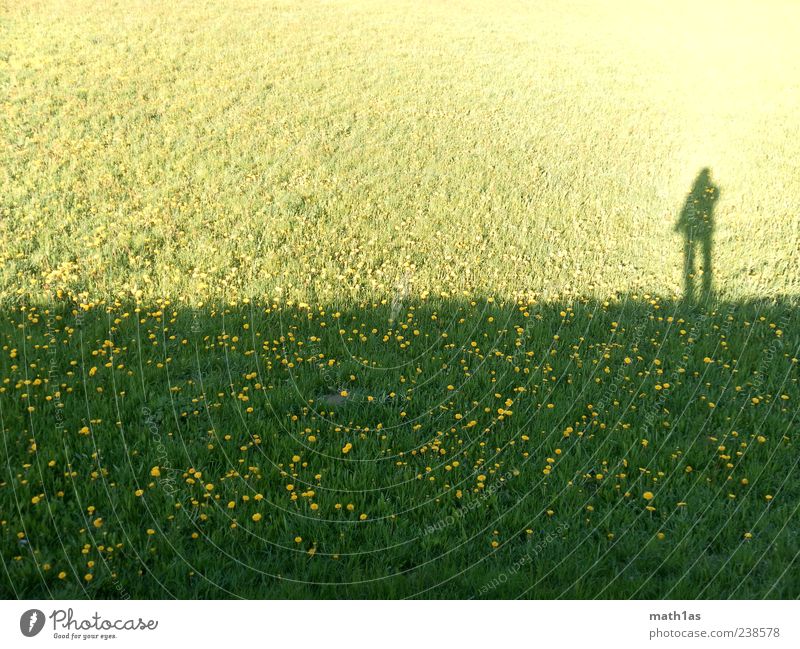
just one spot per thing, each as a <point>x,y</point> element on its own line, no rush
<point>322,150</point>
<point>215,218</point>
<point>609,401</point>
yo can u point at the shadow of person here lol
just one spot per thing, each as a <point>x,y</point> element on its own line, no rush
<point>696,223</point>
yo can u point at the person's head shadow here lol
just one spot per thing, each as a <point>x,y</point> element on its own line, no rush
<point>696,223</point>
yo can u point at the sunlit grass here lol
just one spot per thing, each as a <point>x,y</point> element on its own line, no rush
<point>318,150</point>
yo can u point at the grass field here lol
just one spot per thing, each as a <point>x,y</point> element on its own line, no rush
<point>362,299</point>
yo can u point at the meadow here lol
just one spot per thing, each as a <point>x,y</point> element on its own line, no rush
<point>354,299</point>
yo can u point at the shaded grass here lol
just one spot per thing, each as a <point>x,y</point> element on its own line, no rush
<point>586,433</point>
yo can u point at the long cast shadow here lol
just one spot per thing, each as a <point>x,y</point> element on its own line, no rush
<point>696,223</point>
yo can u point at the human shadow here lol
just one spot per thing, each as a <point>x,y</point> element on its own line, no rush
<point>696,223</point>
